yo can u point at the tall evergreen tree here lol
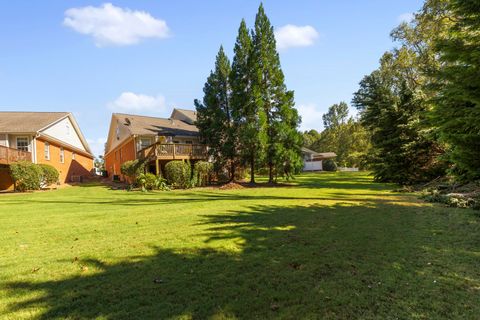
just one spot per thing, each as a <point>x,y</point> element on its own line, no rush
<point>402,151</point>
<point>214,116</point>
<point>243,106</point>
<point>277,117</point>
<point>457,104</point>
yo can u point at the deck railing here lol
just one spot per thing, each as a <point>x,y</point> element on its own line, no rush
<point>9,155</point>
<point>174,151</point>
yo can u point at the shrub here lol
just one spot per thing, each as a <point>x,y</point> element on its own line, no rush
<point>132,169</point>
<point>26,175</point>
<point>202,171</point>
<point>329,165</point>
<point>178,173</point>
<point>149,181</point>
<point>49,174</point>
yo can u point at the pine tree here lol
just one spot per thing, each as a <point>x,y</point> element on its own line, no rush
<point>403,152</point>
<point>457,105</point>
<point>277,118</point>
<point>244,109</point>
<point>214,116</point>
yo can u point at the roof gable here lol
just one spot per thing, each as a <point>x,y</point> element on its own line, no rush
<point>28,122</point>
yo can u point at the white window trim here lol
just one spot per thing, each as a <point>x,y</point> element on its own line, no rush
<point>46,151</point>
<point>62,155</point>
<point>22,137</point>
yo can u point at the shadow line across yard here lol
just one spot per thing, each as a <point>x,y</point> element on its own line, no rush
<point>314,261</point>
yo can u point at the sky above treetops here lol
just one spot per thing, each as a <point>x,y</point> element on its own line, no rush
<point>93,58</point>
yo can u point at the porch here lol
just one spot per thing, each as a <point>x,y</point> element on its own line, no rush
<point>173,151</point>
<point>9,155</point>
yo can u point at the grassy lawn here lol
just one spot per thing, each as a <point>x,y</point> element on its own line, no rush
<point>334,246</point>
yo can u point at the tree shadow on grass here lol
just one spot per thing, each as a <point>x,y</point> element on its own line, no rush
<point>337,262</point>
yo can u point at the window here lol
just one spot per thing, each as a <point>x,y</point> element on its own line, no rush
<point>144,142</point>
<point>176,141</point>
<point>189,142</point>
<point>73,155</point>
<point>22,143</point>
<point>47,151</point>
<point>120,154</point>
<point>115,155</point>
<point>62,155</point>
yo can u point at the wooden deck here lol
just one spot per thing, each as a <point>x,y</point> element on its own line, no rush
<point>170,151</point>
<point>9,155</point>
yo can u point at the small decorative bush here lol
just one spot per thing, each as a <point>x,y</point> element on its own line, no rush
<point>329,165</point>
<point>26,175</point>
<point>149,181</point>
<point>178,173</point>
<point>49,174</point>
<point>202,171</point>
<point>132,169</point>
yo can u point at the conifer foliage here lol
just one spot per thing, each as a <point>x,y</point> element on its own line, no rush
<point>248,115</point>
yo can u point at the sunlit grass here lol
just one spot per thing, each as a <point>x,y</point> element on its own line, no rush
<point>328,245</point>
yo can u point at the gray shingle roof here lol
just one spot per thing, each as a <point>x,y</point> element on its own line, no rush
<point>143,125</point>
<point>27,122</point>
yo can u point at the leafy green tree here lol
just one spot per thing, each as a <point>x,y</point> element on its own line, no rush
<point>278,119</point>
<point>336,115</point>
<point>457,103</point>
<point>244,109</point>
<point>310,137</point>
<point>344,136</point>
<point>214,116</point>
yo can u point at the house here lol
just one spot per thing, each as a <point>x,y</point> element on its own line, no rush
<point>153,140</point>
<point>313,161</point>
<point>43,137</point>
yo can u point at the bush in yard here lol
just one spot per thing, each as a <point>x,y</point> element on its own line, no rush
<point>178,173</point>
<point>49,174</point>
<point>149,181</point>
<point>329,165</point>
<point>202,171</point>
<point>26,175</point>
<point>132,169</point>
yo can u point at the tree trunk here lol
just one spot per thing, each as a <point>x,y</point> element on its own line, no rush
<point>270,173</point>
<point>252,169</point>
<point>232,171</point>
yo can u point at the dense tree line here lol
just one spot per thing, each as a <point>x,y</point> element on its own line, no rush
<point>247,115</point>
<point>422,105</point>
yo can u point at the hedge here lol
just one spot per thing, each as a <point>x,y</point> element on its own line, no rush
<point>329,165</point>
<point>132,169</point>
<point>26,175</point>
<point>178,173</point>
<point>49,174</point>
<point>202,171</point>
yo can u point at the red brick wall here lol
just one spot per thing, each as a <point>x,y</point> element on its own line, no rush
<point>122,153</point>
<point>80,166</point>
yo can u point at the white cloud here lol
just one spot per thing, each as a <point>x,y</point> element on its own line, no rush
<point>110,25</point>
<point>295,36</point>
<point>406,17</point>
<point>311,117</point>
<point>133,102</point>
<point>97,145</point>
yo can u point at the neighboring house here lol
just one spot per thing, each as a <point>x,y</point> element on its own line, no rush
<point>313,161</point>
<point>154,140</point>
<point>43,137</point>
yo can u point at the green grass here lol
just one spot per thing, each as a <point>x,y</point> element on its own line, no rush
<point>334,246</point>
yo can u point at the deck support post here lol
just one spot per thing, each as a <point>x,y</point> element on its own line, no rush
<point>157,167</point>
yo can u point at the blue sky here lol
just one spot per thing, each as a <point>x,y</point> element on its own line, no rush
<point>146,57</point>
